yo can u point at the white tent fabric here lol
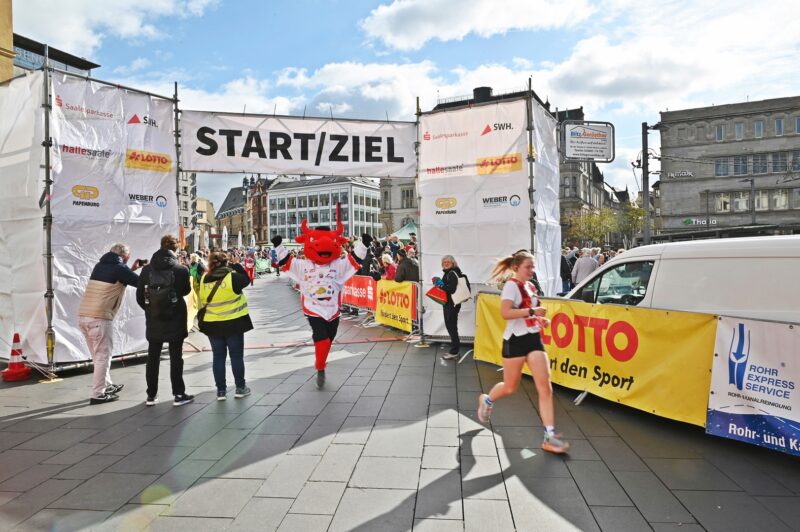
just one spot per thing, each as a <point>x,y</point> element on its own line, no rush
<point>22,304</point>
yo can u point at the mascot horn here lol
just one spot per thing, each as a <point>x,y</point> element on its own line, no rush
<point>321,277</point>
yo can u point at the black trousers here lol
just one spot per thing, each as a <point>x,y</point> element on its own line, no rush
<point>175,367</point>
<point>322,329</point>
<point>451,323</point>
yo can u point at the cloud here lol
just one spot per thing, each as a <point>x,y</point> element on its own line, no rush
<point>410,24</point>
<point>80,26</point>
<point>136,65</point>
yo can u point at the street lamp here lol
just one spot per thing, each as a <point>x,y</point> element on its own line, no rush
<point>752,198</point>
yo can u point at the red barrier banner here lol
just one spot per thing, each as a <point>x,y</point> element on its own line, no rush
<point>360,292</point>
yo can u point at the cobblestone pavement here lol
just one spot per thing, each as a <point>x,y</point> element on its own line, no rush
<point>391,444</point>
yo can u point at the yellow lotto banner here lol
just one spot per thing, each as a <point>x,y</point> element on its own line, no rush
<point>655,360</point>
<point>191,309</point>
<point>396,304</point>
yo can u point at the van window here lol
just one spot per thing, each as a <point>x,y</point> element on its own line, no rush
<point>625,284</point>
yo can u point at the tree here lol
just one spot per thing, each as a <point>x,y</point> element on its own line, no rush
<point>591,227</point>
<point>631,222</point>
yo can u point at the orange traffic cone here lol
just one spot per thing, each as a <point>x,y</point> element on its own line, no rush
<point>16,370</point>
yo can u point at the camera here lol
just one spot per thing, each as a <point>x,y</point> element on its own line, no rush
<point>142,262</point>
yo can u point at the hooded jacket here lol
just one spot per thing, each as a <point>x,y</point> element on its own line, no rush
<point>174,327</point>
<point>106,287</point>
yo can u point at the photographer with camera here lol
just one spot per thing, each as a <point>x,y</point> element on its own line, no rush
<point>99,305</point>
<point>162,287</point>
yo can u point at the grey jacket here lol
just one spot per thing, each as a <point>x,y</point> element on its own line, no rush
<point>583,267</point>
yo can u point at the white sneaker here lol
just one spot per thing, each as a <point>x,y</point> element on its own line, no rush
<point>554,444</point>
<point>484,410</point>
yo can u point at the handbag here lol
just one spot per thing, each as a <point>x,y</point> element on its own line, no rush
<point>462,292</point>
<point>437,294</point>
<point>201,312</point>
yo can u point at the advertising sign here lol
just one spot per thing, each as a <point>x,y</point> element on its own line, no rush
<point>359,291</point>
<point>397,304</point>
<point>219,142</point>
<point>754,384</point>
<point>623,354</point>
<point>588,141</point>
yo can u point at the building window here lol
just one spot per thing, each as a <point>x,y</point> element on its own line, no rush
<point>780,200</point>
<point>721,167</point>
<point>740,165</point>
<point>739,130</point>
<point>681,133</point>
<point>760,163</point>
<point>291,203</point>
<point>796,198</point>
<point>720,135</point>
<point>408,200</point>
<point>281,203</point>
<point>758,128</point>
<point>185,190</point>
<point>722,202</point>
<point>185,205</point>
<point>701,132</point>
<point>324,199</point>
<point>741,201</point>
<point>185,221</point>
<point>778,127</point>
<point>796,161</point>
<point>313,201</point>
<point>762,200</point>
<point>779,162</point>
<point>272,204</point>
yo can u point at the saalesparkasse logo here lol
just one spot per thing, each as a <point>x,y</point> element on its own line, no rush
<point>81,109</point>
<point>446,205</point>
<point>146,120</point>
<point>500,164</point>
<point>737,357</point>
<point>145,160</point>
<point>85,195</point>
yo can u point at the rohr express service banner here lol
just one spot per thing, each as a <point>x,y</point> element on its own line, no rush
<point>397,304</point>
<point>654,360</point>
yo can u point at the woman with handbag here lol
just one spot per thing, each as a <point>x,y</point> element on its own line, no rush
<point>522,344</point>
<point>224,318</point>
<point>449,283</point>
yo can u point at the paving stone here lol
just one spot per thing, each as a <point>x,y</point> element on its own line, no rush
<point>172,484</point>
<point>253,457</point>
<point>444,395</point>
<point>404,407</point>
<point>75,454</point>
<point>377,388</point>
<point>337,463</point>
<point>130,518</point>
<point>439,495</point>
<point>289,477</point>
<point>6,496</point>
<point>411,385</point>
<point>14,461</point>
<point>374,509</point>
<point>134,440</point>
<point>435,457</point>
<point>262,514</point>
<point>676,527</point>
<point>487,516</point>
<point>725,510</point>
<point>305,523</point>
<point>24,506</point>
<point>745,474</point>
<point>620,519</point>
<point>652,498</point>
<point>305,404</point>
<point>786,508</point>
<point>597,483</point>
<point>151,459</point>
<point>174,415</point>
<point>690,474</point>
<point>219,444</point>
<point>482,478</point>
<point>367,406</point>
<point>252,417</point>
<point>218,497</point>
<point>592,424</point>
<point>31,477</point>
<point>384,472</point>
<point>194,431</point>
<point>442,436</point>
<point>89,467</point>
<point>333,415</point>
<point>355,430</point>
<point>275,424</point>
<point>556,504</point>
<point>64,520</point>
<point>57,440</point>
<point>390,438</point>
<point>617,455</point>
<point>273,399</point>
<point>106,491</point>
<point>532,464</point>
<point>189,524</point>
<point>319,498</point>
<point>12,439</point>
<point>442,416</point>
<point>482,445</point>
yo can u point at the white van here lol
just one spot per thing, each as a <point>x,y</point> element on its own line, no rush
<point>756,277</point>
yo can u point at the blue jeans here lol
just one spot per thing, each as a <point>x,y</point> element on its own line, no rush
<point>228,345</point>
<point>566,285</point>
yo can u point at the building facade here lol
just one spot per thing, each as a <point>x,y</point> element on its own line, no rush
<point>315,199</point>
<point>398,203</point>
<point>29,55</point>
<point>6,41</point>
<point>259,216</point>
<point>206,221</point>
<point>232,215</point>
<point>733,166</point>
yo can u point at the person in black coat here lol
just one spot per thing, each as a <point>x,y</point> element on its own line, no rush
<point>165,320</point>
<point>449,282</point>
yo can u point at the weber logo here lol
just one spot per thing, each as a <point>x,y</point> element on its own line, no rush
<point>318,147</point>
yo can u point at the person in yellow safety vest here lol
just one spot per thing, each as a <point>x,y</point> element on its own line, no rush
<point>224,318</point>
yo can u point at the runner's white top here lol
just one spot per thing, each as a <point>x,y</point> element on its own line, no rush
<point>517,326</point>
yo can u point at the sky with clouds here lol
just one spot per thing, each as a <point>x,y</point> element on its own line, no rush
<point>622,60</point>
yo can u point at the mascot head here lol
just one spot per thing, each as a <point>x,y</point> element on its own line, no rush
<point>322,245</point>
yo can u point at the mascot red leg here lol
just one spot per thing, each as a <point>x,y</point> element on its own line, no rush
<point>321,277</point>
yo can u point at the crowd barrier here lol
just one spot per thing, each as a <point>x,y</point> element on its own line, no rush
<point>388,302</point>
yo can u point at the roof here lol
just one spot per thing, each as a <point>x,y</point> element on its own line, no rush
<point>54,53</point>
<point>234,200</point>
<point>330,180</point>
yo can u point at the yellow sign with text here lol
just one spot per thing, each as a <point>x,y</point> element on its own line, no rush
<point>146,160</point>
<point>396,304</point>
<point>655,360</point>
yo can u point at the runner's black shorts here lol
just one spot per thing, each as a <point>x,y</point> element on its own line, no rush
<point>520,346</point>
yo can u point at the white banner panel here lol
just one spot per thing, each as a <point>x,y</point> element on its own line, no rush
<point>755,384</point>
<point>546,185</point>
<point>216,142</point>
<point>485,140</point>
<point>114,181</point>
<point>22,308</point>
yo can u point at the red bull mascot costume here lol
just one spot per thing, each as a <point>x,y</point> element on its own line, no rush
<point>321,276</point>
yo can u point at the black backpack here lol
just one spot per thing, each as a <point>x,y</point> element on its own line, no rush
<point>160,297</point>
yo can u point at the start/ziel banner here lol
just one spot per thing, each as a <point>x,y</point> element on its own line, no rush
<point>397,304</point>
<point>654,360</point>
<point>221,142</point>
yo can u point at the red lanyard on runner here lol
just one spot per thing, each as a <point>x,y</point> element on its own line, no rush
<point>527,302</point>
